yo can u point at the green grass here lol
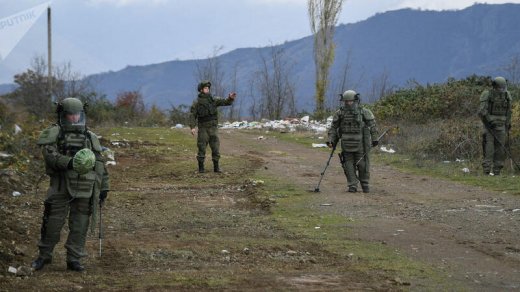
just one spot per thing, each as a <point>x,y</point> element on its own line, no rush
<point>293,212</point>
<point>452,170</point>
<point>509,182</point>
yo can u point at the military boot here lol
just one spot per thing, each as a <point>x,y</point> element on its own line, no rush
<point>75,266</point>
<point>201,166</point>
<point>39,263</point>
<point>352,189</point>
<point>366,189</point>
<point>216,168</point>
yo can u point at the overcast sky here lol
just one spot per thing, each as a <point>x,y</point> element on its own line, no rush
<point>102,35</point>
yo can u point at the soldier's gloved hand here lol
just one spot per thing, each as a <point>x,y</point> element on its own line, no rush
<point>375,143</point>
<point>232,95</point>
<point>193,131</point>
<point>102,197</point>
<point>330,144</point>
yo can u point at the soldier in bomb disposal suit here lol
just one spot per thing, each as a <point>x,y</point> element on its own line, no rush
<point>355,128</point>
<point>78,183</point>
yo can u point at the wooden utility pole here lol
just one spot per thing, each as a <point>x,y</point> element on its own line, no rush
<point>49,51</point>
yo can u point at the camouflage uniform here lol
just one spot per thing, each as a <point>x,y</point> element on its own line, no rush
<point>70,193</point>
<point>355,128</point>
<point>204,115</point>
<point>495,113</point>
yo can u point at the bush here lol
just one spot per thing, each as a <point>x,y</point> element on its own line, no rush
<point>440,121</point>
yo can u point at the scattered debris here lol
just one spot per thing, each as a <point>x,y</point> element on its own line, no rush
<point>465,170</point>
<point>23,271</point>
<point>12,270</point>
<point>287,125</point>
<point>316,145</point>
<point>387,150</point>
<point>17,129</point>
<point>5,155</point>
<point>16,194</point>
<point>291,253</point>
<point>224,251</point>
<point>317,227</point>
<point>326,204</point>
<point>246,250</point>
<point>261,138</point>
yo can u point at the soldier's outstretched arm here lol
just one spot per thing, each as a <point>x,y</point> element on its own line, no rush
<point>219,101</point>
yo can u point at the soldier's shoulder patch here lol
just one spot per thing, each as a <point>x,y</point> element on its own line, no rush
<point>367,114</point>
<point>484,96</point>
<point>49,135</point>
<point>96,145</point>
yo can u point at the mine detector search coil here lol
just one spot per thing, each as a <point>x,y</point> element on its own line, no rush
<point>317,189</point>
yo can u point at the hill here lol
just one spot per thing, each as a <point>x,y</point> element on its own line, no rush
<point>392,47</point>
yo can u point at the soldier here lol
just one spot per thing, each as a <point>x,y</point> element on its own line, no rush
<point>495,113</point>
<point>204,114</point>
<point>355,128</point>
<point>78,181</point>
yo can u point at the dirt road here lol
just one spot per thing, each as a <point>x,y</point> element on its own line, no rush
<point>470,233</point>
<point>168,227</point>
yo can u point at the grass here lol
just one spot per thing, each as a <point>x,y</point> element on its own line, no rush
<point>452,170</point>
<point>508,182</point>
<point>330,231</point>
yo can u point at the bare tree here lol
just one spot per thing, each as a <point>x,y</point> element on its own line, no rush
<point>71,84</point>
<point>275,85</point>
<point>211,69</point>
<point>512,70</point>
<point>323,16</point>
<point>254,109</point>
<point>32,91</point>
<point>343,82</point>
<point>380,87</point>
<point>234,113</point>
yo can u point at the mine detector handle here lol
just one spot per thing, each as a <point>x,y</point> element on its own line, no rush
<point>100,230</point>
<point>378,138</point>
<point>317,189</point>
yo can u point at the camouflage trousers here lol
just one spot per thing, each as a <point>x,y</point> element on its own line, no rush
<point>359,173</point>
<point>205,136</point>
<point>494,154</point>
<point>59,205</point>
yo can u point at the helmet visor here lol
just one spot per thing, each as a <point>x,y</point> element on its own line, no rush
<point>73,119</point>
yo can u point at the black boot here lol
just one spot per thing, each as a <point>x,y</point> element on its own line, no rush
<point>216,168</point>
<point>201,166</point>
<point>366,189</point>
<point>352,189</point>
<point>75,266</point>
<point>39,263</point>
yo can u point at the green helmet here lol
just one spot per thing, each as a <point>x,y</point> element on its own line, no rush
<point>72,105</point>
<point>499,82</point>
<point>349,95</point>
<point>71,115</point>
<point>202,84</point>
<point>83,161</point>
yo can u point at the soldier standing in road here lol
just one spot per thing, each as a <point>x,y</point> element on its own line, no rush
<point>204,114</point>
<point>355,128</point>
<point>495,113</point>
<point>78,181</point>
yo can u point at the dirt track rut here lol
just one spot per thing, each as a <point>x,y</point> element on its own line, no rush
<point>469,232</point>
